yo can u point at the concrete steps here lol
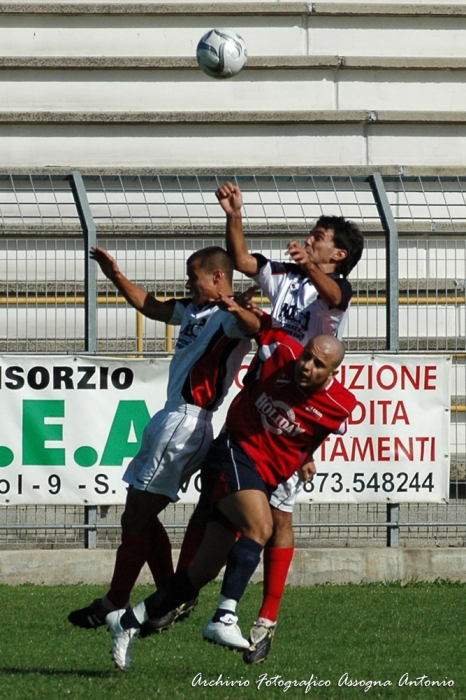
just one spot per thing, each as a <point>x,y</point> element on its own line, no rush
<point>328,84</point>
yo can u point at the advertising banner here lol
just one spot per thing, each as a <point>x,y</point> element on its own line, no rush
<point>71,424</point>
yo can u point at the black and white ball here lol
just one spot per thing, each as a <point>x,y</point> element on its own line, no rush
<point>221,53</point>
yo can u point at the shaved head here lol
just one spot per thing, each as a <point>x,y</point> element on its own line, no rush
<point>331,347</point>
<point>319,361</point>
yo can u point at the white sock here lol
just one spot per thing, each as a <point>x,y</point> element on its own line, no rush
<point>140,613</point>
<point>227,604</point>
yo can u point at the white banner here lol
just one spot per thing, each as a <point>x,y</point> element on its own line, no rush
<point>70,426</point>
<point>397,447</point>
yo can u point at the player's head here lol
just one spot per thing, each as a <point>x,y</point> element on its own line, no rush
<point>341,241</point>
<point>210,272</point>
<point>318,363</point>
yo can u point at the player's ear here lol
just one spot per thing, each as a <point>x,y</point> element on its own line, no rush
<point>217,276</point>
<point>339,254</point>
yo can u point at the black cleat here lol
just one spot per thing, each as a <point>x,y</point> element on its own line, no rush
<point>160,624</point>
<point>185,609</point>
<point>91,617</point>
<point>261,637</point>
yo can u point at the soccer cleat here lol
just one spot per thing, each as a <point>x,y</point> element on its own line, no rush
<point>185,610</point>
<point>225,632</point>
<point>160,624</point>
<point>122,640</point>
<point>91,617</point>
<point>261,636</point>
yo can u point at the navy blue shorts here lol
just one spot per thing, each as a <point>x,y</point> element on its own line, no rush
<point>228,469</point>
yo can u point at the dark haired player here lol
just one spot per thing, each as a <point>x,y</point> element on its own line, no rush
<point>309,295</point>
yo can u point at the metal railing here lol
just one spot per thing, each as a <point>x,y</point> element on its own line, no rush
<point>409,297</point>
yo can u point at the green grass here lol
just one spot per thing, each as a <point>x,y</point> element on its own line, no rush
<point>370,632</point>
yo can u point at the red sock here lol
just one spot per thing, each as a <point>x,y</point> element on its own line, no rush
<point>191,541</point>
<point>130,558</point>
<point>277,562</point>
<point>159,554</point>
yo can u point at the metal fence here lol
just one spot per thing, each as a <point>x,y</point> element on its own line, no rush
<point>409,297</point>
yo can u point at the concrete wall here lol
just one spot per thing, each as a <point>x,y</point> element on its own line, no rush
<point>116,85</point>
<point>309,567</point>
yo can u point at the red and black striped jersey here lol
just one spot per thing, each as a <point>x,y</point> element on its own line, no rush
<point>208,354</point>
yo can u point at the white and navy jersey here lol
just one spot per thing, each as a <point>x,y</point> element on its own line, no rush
<point>208,354</point>
<point>296,303</point>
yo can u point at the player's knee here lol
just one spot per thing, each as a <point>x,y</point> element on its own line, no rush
<point>260,531</point>
<point>133,523</point>
<point>282,521</point>
<point>200,515</point>
<point>139,515</point>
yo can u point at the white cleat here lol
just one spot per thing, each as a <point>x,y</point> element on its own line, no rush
<point>226,632</point>
<point>122,640</point>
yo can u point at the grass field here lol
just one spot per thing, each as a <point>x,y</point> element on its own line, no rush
<point>383,633</point>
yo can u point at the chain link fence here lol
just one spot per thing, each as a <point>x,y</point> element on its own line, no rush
<point>151,224</point>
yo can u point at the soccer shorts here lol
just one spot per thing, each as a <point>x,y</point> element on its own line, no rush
<point>285,494</point>
<point>228,469</point>
<point>174,445</point>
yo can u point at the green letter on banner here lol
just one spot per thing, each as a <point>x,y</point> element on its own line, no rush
<point>36,432</point>
<point>128,414</point>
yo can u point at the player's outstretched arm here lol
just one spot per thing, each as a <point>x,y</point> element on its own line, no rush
<point>231,201</point>
<point>248,321</point>
<point>134,295</point>
<point>325,285</point>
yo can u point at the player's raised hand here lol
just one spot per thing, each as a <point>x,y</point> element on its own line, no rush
<point>248,320</point>
<point>228,303</point>
<point>107,264</point>
<point>230,198</point>
<point>297,253</point>
<point>246,300</point>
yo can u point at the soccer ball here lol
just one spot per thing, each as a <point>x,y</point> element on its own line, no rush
<point>221,53</point>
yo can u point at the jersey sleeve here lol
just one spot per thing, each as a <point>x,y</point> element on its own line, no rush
<point>231,327</point>
<point>177,316</point>
<point>268,278</point>
<point>346,292</point>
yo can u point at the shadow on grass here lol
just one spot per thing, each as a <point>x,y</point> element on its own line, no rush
<point>57,672</point>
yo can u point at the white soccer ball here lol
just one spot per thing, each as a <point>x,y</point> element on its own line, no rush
<point>221,53</point>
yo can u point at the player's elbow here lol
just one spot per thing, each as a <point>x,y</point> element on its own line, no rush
<point>245,263</point>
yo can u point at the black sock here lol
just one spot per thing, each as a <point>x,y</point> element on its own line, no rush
<point>178,589</point>
<point>242,561</point>
<point>219,613</point>
<point>129,620</point>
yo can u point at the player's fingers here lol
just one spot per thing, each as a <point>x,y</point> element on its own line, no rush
<point>251,290</point>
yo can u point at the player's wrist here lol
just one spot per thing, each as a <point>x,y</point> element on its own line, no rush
<point>235,215</point>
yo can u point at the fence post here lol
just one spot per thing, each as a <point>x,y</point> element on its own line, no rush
<point>90,534</point>
<point>392,295</point>
<point>90,270</point>
<point>90,308</point>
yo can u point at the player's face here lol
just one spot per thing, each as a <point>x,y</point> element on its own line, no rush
<point>200,283</point>
<point>314,368</point>
<point>320,246</point>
